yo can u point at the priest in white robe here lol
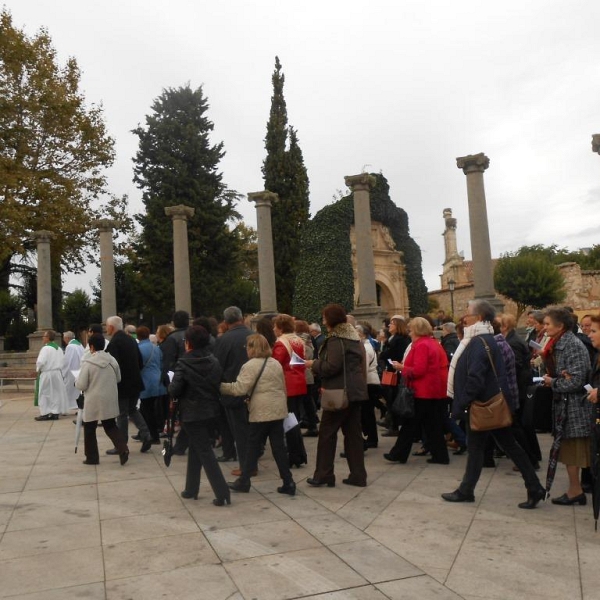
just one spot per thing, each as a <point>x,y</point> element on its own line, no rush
<point>51,394</point>
<point>71,362</point>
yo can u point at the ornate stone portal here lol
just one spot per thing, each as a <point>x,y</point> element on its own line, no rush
<point>389,272</point>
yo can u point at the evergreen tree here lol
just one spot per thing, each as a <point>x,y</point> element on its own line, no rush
<point>177,164</point>
<point>285,174</point>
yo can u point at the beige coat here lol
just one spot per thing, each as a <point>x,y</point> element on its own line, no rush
<point>269,400</point>
<point>98,380</point>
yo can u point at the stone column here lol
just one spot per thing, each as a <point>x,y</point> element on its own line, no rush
<point>44,289</point>
<point>473,167</point>
<point>181,257</point>
<point>266,262</point>
<point>366,307</point>
<point>596,142</point>
<point>108,294</point>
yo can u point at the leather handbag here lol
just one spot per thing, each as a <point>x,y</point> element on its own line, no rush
<point>336,399</point>
<point>493,413</point>
<point>389,378</point>
<point>404,402</point>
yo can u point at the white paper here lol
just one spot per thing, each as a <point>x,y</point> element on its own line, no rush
<point>289,422</point>
<point>76,373</point>
<point>587,387</point>
<point>538,379</point>
<point>171,374</point>
<point>296,360</point>
<point>535,345</point>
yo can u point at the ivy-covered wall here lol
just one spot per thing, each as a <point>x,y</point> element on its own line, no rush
<point>325,272</point>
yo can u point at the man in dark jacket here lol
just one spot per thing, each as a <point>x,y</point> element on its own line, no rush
<point>126,352</point>
<point>230,350</point>
<point>478,374</point>
<point>449,340</point>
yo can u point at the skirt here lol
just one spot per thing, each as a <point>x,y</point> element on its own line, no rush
<point>575,452</point>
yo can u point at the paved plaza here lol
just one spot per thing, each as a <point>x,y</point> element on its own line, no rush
<point>108,532</point>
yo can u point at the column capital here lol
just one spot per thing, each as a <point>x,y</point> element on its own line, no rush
<point>43,235</point>
<point>106,224</point>
<point>181,211</point>
<point>473,163</point>
<point>596,142</point>
<point>360,183</point>
<point>264,198</point>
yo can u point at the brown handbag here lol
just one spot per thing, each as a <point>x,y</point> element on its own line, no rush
<point>493,413</point>
<point>389,378</point>
<point>336,399</point>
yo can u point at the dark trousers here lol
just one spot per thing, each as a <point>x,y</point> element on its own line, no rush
<point>349,422</point>
<point>257,434</point>
<point>506,439</point>
<point>148,407</point>
<point>128,410</point>
<point>237,418</point>
<point>227,441</point>
<point>90,441</point>
<point>201,455</point>
<point>368,420</point>
<point>310,410</point>
<point>430,416</point>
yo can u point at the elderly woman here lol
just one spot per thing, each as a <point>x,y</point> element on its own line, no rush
<point>261,378</point>
<point>98,379</point>
<point>567,365</point>
<point>425,371</point>
<point>342,356</point>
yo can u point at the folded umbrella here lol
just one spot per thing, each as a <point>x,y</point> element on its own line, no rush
<point>555,449</point>
<point>78,427</point>
<point>167,450</point>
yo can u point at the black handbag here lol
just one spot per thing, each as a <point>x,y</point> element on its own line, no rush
<point>404,402</point>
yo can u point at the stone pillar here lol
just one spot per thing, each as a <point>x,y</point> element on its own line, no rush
<point>181,256</point>
<point>473,167</point>
<point>44,289</point>
<point>596,143</point>
<point>108,294</point>
<point>366,307</point>
<point>266,262</point>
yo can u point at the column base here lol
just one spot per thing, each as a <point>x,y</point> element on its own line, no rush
<point>373,314</point>
<point>268,314</point>
<point>494,301</point>
<point>36,341</point>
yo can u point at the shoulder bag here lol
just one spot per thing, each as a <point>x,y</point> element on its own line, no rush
<point>404,402</point>
<point>493,413</point>
<point>336,399</point>
<point>389,378</point>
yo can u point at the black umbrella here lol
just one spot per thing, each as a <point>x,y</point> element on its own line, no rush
<point>167,450</point>
<point>555,449</point>
<point>595,466</point>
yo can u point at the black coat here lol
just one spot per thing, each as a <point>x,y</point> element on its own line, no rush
<point>230,351</point>
<point>394,350</point>
<point>126,352</point>
<point>522,362</point>
<point>196,381</point>
<point>450,343</point>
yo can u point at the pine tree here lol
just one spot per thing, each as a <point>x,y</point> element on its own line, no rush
<point>177,164</point>
<point>285,174</point>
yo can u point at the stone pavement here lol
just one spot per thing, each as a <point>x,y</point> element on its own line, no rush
<point>69,531</point>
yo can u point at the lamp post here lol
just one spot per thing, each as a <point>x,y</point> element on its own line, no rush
<point>451,287</point>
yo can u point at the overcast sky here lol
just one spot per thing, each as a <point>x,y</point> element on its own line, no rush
<point>400,87</point>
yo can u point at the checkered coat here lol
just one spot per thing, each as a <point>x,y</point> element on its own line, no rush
<point>572,357</point>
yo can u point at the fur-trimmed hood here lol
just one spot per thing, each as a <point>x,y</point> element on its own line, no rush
<point>345,331</point>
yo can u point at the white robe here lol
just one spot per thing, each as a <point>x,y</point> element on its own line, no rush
<point>71,362</point>
<point>52,395</point>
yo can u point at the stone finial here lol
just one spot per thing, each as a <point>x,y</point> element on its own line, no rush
<point>449,220</point>
<point>106,224</point>
<point>362,182</point>
<point>473,163</point>
<point>43,235</point>
<point>596,143</point>
<point>265,198</point>
<point>180,211</point>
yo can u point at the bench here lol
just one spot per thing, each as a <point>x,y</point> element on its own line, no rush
<point>8,376</point>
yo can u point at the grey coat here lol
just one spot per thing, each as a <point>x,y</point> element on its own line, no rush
<point>572,357</point>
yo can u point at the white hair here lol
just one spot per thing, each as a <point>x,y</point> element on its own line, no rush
<point>115,322</point>
<point>69,335</point>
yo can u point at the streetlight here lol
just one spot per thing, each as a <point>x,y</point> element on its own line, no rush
<point>451,287</point>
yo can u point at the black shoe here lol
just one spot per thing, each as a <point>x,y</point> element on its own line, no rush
<point>287,488</point>
<point>392,458</point>
<point>564,500</point>
<point>222,501</point>
<point>421,452</point>
<point>112,452</point>
<point>124,457</point>
<point>147,444</point>
<point>350,482</point>
<point>311,433</point>
<point>461,450</point>
<point>458,496</point>
<point>226,458</point>
<point>533,498</point>
<point>47,417</point>
<point>587,488</point>
<point>239,486</point>
<point>188,495</point>
<point>317,482</point>
<point>136,437</point>
<point>91,462</point>
<point>432,461</point>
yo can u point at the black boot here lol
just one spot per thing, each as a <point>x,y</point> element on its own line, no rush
<point>533,498</point>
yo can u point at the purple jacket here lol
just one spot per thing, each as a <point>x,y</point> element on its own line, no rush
<point>508,356</point>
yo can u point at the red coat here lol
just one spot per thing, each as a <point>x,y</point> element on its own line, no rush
<point>295,378</point>
<point>426,369</point>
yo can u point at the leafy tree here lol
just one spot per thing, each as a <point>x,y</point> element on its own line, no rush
<point>587,259</point>
<point>285,174</point>
<point>177,164</point>
<point>528,279</point>
<point>77,311</point>
<point>10,309</point>
<point>53,152</point>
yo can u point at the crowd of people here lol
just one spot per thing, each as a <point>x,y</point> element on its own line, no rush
<point>238,384</point>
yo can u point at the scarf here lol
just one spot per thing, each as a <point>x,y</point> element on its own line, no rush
<point>548,354</point>
<point>52,345</point>
<point>478,328</point>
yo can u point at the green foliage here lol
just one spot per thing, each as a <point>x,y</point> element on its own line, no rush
<point>10,310</point>
<point>16,335</point>
<point>529,279</point>
<point>285,174</point>
<point>177,164</point>
<point>325,271</point>
<point>77,311</point>
<point>53,153</point>
<point>588,260</point>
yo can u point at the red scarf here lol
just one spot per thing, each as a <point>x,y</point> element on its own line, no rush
<point>548,354</point>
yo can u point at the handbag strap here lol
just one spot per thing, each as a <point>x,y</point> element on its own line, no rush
<point>343,360</point>
<point>259,374</point>
<point>489,355</point>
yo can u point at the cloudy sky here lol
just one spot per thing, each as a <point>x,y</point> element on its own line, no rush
<point>401,88</point>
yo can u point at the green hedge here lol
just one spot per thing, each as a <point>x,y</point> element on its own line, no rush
<point>325,271</point>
